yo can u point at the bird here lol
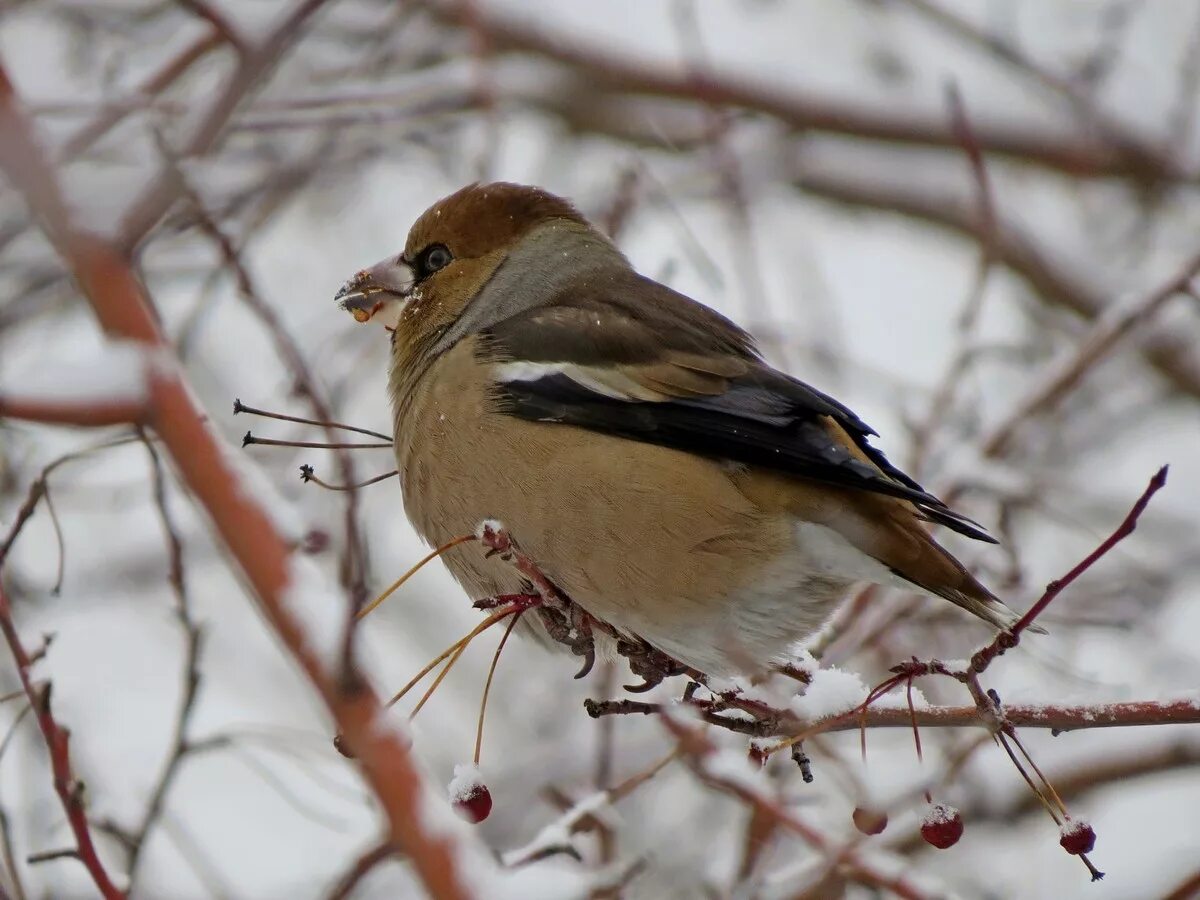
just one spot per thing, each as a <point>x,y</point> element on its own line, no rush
<point>663,475</point>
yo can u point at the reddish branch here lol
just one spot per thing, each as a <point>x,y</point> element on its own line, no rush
<point>106,279</point>
<point>154,85</point>
<point>362,866</point>
<point>1106,332</point>
<point>1014,245</point>
<point>1112,132</point>
<point>69,789</point>
<point>67,412</point>
<point>698,752</point>
<point>253,64</point>
<point>1079,152</point>
<point>1056,717</point>
<point>1006,639</point>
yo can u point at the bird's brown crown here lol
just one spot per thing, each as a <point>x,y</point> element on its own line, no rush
<point>482,218</point>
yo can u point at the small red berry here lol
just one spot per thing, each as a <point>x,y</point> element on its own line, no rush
<point>869,821</point>
<point>469,795</point>
<point>476,805</point>
<point>942,826</point>
<point>757,754</point>
<point>1077,837</point>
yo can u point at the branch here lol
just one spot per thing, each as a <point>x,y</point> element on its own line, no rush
<point>253,64</point>
<point>71,412</point>
<point>193,640</point>
<point>362,867</point>
<point>1083,153</point>
<point>247,529</point>
<point>709,765</point>
<point>1008,639</point>
<point>154,85</point>
<point>1018,250</point>
<point>1106,332</point>
<point>1056,717</point>
<point>38,489</point>
<point>1140,153</point>
<point>352,558</point>
<point>57,739</point>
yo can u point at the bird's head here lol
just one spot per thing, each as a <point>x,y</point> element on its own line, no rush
<point>475,257</point>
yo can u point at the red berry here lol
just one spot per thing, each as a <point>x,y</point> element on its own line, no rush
<point>476,805</point>
<point>756,754</point>
<point>942,826</point>
<point>469,795</point>
<point>869,821</point>
<point>1077,837</point>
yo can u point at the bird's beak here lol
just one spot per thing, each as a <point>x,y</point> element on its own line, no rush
<point>379,291</point>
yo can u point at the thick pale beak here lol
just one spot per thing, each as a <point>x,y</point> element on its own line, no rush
<point>383,288</point>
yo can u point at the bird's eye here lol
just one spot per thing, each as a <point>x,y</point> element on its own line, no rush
<point>434,258</point>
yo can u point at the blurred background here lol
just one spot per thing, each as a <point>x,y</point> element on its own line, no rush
<point>976,223</point>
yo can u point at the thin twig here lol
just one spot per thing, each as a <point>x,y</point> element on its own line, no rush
<point>361,868</point>
<point>308,475</point>
<point>38,489</point>
<point>193,641</point>
<point>1106,332</point>
<point>254,64</point>
<point>1007,639</point>
<point>249,439</point>
<point>240,407</point>
<point>57,740</point>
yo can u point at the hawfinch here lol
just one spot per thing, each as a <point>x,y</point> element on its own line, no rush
<point>633,442</point>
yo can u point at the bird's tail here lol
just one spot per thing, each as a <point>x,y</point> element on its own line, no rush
<point>988,607</point>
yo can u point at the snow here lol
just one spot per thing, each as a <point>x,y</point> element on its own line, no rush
<point>939,814</point>
<point>733,768</point>
<point>495,526</point>
<point>315,599</point>
<point>803,660</point>
<point>113,373</point>
<point>254,485</point>
<point>559,832</point>
<point>466,781</point>
<point>547,880</point>
<point>831,692</point>
<point>897,698</point>
<point>1073,826</point>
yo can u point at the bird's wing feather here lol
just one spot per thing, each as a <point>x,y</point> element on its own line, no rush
<point>653,372</point>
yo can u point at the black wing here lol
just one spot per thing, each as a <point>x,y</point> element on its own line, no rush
<point>662,373</point>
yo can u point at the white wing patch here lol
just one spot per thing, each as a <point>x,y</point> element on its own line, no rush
<point>608,381</point>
